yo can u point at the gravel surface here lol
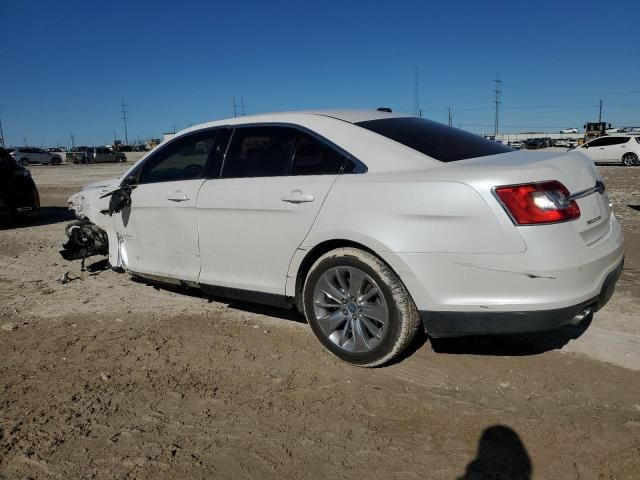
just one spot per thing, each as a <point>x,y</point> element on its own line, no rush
<point>105,377</point>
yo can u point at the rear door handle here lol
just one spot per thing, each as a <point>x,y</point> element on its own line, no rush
<point>178,197</point>
<point>296,196</point>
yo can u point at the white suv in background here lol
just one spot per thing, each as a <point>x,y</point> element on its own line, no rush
<point>623,149</point>
<point>30,155</point>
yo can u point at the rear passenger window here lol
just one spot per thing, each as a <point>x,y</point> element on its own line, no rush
<point>183,159</point>
<point>620,140</point>
<point>600,142</point>
<point>313,157</point>
<point>259,152</point>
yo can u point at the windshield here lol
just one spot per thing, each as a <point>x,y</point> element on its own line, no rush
<point>434,139</point>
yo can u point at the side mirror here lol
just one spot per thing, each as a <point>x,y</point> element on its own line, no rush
<point>120,198</point>
<point>130,180</point>
<point>586,145</point>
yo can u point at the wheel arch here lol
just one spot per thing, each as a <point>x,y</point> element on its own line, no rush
<point>315,253</point>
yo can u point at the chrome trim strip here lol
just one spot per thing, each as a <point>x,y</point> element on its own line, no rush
<point>598,187</point>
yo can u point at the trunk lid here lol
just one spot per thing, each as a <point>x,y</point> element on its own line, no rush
<point>574,170</point>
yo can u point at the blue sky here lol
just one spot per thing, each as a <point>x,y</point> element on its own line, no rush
<point>68,64</point>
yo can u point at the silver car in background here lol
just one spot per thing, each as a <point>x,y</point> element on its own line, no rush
<point>30,155</point>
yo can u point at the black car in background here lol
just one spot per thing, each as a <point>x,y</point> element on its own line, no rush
<point>18,193</point>
<point>535,143</point>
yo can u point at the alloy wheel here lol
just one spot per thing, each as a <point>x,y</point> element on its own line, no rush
<point>629,159</point>
<point>350,309</point>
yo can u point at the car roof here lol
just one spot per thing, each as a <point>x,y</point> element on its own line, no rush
<point>351,116</point>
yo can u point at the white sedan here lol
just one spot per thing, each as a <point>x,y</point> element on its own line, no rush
<point>620,149</point>
<point>370,223</point>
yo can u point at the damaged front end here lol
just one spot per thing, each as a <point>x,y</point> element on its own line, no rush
<point>93,206</point>
<point>85,240</point>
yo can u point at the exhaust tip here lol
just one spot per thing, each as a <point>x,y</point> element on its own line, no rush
<point>586,313</point>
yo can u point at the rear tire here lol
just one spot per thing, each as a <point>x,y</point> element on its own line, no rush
<point>629,159</point>
<point>367,316</point>
<point>24,162</point>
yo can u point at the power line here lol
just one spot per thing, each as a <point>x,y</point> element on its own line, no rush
<point>125,112</point>
<point>497,100</point>
<point>238,107</point>
<point>417,111</point>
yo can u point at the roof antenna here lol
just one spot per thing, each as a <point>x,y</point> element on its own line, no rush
<point>384,109</point>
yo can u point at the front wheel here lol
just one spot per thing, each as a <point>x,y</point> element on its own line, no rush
<point>358,308</point>
<point>629,159</point>
<point>24,162</point>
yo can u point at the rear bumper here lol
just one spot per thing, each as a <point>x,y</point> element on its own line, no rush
<point>460,323</point>
<point>22,202</point>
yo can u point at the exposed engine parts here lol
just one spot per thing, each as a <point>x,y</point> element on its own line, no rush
<point>85,240</point>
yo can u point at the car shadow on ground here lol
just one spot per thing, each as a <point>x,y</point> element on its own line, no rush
<point>512,345</point>
<point>46,216</point>
<point>277,312</point>
<point>498,345</point>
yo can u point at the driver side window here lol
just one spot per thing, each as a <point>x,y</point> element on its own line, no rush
<point>182,159</point>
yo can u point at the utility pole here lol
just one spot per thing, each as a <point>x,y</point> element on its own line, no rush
<point>25,141</point>
<point>416,95</point>
<point>498,102</point>
<point>124,119</point>
<point>600,114</point>
<point>242,106</point>
<point>450,117</point>
<point>235,112</point>
<point>114,137</point>
<point>1,134</point>
<point>73,140</point>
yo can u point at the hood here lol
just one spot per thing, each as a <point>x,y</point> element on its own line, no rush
<point>87,202</point>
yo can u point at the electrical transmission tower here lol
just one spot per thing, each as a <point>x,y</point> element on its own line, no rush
<point>417,111</point>
<point>498,91</point>
<point>235,107</point>
<point>125,112</point>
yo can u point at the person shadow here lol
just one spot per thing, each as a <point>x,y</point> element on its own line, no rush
<point>501,455</point>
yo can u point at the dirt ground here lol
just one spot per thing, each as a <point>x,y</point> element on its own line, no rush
<point>105,377</point>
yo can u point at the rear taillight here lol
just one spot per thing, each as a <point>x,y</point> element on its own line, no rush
<point>535,203</point>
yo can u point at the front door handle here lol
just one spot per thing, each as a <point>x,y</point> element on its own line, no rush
<point>178,197</point>
<point>296,196</point>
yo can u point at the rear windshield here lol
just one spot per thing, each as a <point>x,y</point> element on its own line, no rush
<point>439,141</point>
